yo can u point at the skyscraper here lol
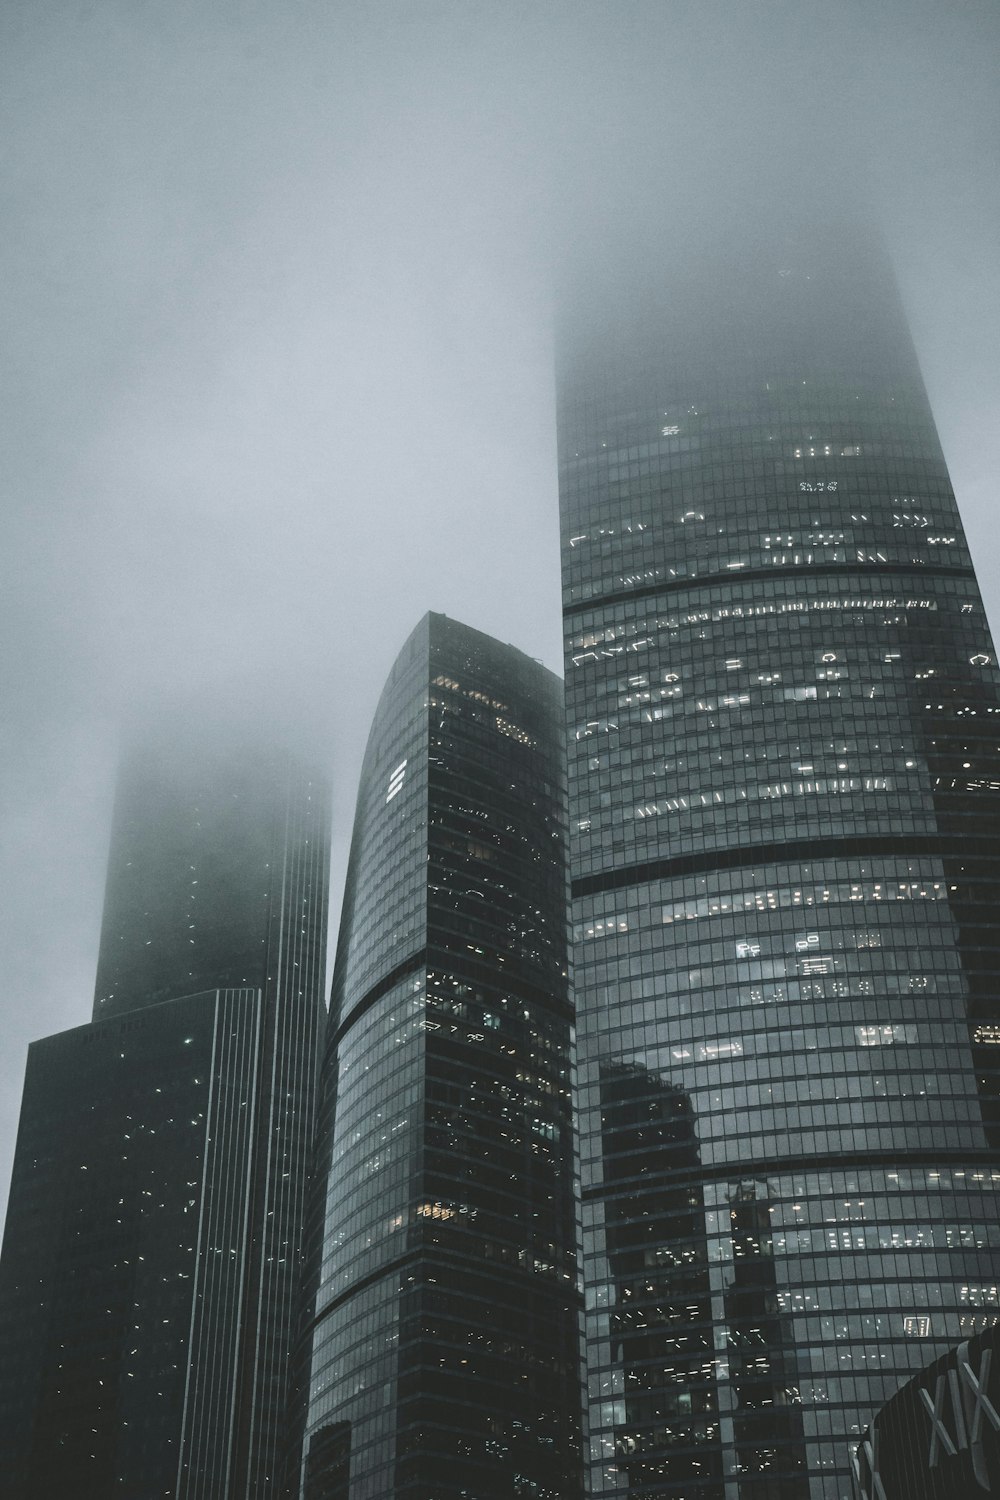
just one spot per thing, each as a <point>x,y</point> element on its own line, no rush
<point>441,1356</point>
<point>783,786</point>
<point>152,1252</point>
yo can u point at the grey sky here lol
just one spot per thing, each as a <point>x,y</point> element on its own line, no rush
<point>276,292</point>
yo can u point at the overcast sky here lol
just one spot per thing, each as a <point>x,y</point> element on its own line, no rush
<point>276,285</point>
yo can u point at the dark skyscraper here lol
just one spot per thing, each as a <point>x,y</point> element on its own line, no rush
<point>783,788</point>
<point>152,1253</point>
<point>442,1356</point>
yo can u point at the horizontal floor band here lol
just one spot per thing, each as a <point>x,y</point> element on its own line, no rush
<point>441,960</point>
<point>759,1168</point>
<point>501,1272</point>
<point>410,965</point>
<point>796,851</point>
<point>772,575</point>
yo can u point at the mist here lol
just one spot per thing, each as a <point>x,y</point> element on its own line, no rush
<point>278,292</point>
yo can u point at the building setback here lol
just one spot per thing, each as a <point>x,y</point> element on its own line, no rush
<point>783,786</point>
<point>441,1359</point>
<point>152,1251</point>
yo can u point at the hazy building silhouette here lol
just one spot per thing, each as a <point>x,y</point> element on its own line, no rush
<point>152,1251</point>
<point>784,779</point>
<point>441,1355</point>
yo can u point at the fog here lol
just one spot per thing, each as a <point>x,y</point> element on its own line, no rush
<point>277,293</point>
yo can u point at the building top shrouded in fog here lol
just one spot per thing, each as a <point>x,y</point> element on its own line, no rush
<point>784,782</point>
<point>208,870</point>
<point>152,1251</point>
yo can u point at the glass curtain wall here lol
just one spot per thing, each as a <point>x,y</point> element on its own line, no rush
<point>441,1359</point>
<point>784,776</point>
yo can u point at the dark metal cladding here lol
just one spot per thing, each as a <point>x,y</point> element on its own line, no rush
<point>938,1438</point>
<point>442,1356</point>
<point>784,782</point>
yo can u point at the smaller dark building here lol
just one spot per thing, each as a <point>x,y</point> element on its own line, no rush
<point>151,1256</point>
<point>124,1265</point>
<point>938,1438</point>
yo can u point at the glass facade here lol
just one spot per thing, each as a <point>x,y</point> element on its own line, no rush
<point>441,1357</point>
<point>152,1255</point>
<point>784,772</point>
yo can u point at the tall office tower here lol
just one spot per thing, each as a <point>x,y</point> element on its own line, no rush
<point>783,788</point>
<point>152,1252</point>
<point>441,1359</point>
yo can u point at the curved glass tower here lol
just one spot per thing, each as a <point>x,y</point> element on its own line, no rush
<point>442,1354</point>
<point>783,788</point>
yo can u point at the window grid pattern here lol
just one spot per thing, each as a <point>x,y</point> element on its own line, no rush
<point>784,767</point>
<point>442,1360</point>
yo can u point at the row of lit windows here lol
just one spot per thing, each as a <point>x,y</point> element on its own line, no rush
<point>872,500</point>
<point>733,892</point>
<point>771,599</point>
<point>594,583</point>
<point>783,527</point>
<point>782,545</point>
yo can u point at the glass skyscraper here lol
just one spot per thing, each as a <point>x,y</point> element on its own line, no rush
<point>441,1357</point>
<point>152,1253</point>
<point>784,778</point>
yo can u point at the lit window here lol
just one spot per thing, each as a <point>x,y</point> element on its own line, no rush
<point>884,1036</point>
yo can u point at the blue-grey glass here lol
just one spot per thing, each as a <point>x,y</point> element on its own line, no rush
<point>441,1354</point>
<point>784,772</point>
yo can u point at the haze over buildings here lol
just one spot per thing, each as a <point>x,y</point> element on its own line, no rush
<point>277,292</point>
<point>278,302</point>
